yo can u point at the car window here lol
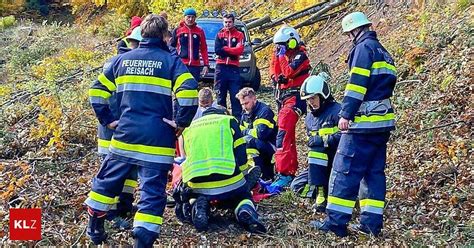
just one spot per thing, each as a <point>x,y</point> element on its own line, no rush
<point>212,28</point>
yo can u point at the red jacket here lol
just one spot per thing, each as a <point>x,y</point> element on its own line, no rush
<point>294,67</point>
<point>188,49</point>
<point>229,46</point>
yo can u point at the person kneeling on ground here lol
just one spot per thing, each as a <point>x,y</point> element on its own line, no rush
<point>259,129</point>
<point>323,139</point>
<point>215,152</point>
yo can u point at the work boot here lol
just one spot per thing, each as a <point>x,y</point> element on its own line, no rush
<point>119,218</point>
<point>200,211</point>
<point>359,228</point>
<point>253,176</point>
<point>95,227</point>
<point>121,223</point>
<point>143,238</point>
<point>187,212</point>
<point>248,217</point>
<point>323,226</point>
<point>170,201</point>
<point>178,210</point>
<point>320,205</point>
<point>319,208</point>
<point>183,212</point>
<point>282,181</point>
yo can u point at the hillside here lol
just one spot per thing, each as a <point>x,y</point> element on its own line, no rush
<point>48,143</point>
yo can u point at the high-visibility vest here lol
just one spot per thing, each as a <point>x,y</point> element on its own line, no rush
<point>127,43</point>
<point>209,145</point>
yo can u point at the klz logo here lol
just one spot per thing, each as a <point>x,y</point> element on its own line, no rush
<point>25,224</point>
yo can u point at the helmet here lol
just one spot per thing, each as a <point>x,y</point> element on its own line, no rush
<point>354,20</point>
<point>287,34</point>
<point>136,34</point>
<point>314,85</point>
<point>189,11</point>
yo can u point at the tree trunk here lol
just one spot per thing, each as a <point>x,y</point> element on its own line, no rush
<point>308,22</point>
<point>322,11</point>
<point>294,16</point>
<point>259,22</point>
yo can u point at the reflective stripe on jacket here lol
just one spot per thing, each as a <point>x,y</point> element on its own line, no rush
<point>190,41</point>
<point>324,123</point>
<point>372,78</point>
<point>143,81</point>
<point>260,123</point>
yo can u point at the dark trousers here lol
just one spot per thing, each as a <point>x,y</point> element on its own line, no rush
<point>227,79</point>
<point>108,184</point>
<point>195,71</point>
<point>360,160</point>
<point>263,157</point>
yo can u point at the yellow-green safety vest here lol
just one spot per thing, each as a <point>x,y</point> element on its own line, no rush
<point>209,145</point>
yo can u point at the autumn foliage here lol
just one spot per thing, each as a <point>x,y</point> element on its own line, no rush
<point>48,129</point>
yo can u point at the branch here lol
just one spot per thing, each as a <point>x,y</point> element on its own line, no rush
<point>436,127</point>
<point>322,11</point>
<point>311,20</point>
<point>294,16</point>
<point>249,10</point>
<point>409,81</point>
<point>269,40</point>
<point>258,22</point>
<point>78,159</point>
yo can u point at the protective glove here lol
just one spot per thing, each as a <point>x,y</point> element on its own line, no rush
<point>281,50</point>
<point>315,141</point>
<point>248,138</point>
<point>274,80</point>
<point>325,140</point>
<point>282,80</point>
<point>267,186</point>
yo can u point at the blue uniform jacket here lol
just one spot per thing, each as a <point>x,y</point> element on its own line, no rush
<point>260,123</point>
<point>372,78</point>
<point>144,80</point>
<point>324,123</point>
<point>104,134</point>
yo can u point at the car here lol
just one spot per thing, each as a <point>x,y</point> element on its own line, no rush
<point>249,72</point>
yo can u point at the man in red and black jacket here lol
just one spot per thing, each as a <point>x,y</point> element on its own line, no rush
<point>189,40</point>
<point>229,46</point>
<point>289,68</point>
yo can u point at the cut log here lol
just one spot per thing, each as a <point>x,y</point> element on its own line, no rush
<point>269,40</point>
<point>293,16</point>
<point>322,11</point>
<point>250,9</point>
<point>259,22</point>
<point>250,20</point>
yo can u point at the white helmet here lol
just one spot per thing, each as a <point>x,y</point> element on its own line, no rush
<point>354,20</point>
<point>314,85</point>
<point>136,34</point>
<point>285,34</point>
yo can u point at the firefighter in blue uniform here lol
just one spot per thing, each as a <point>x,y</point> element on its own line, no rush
<point>212,171</point>
<point>123,208</point>
<point>367,117</point>
<point>323,139</point>
<point>259,129</point>
<point>144,80</point>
